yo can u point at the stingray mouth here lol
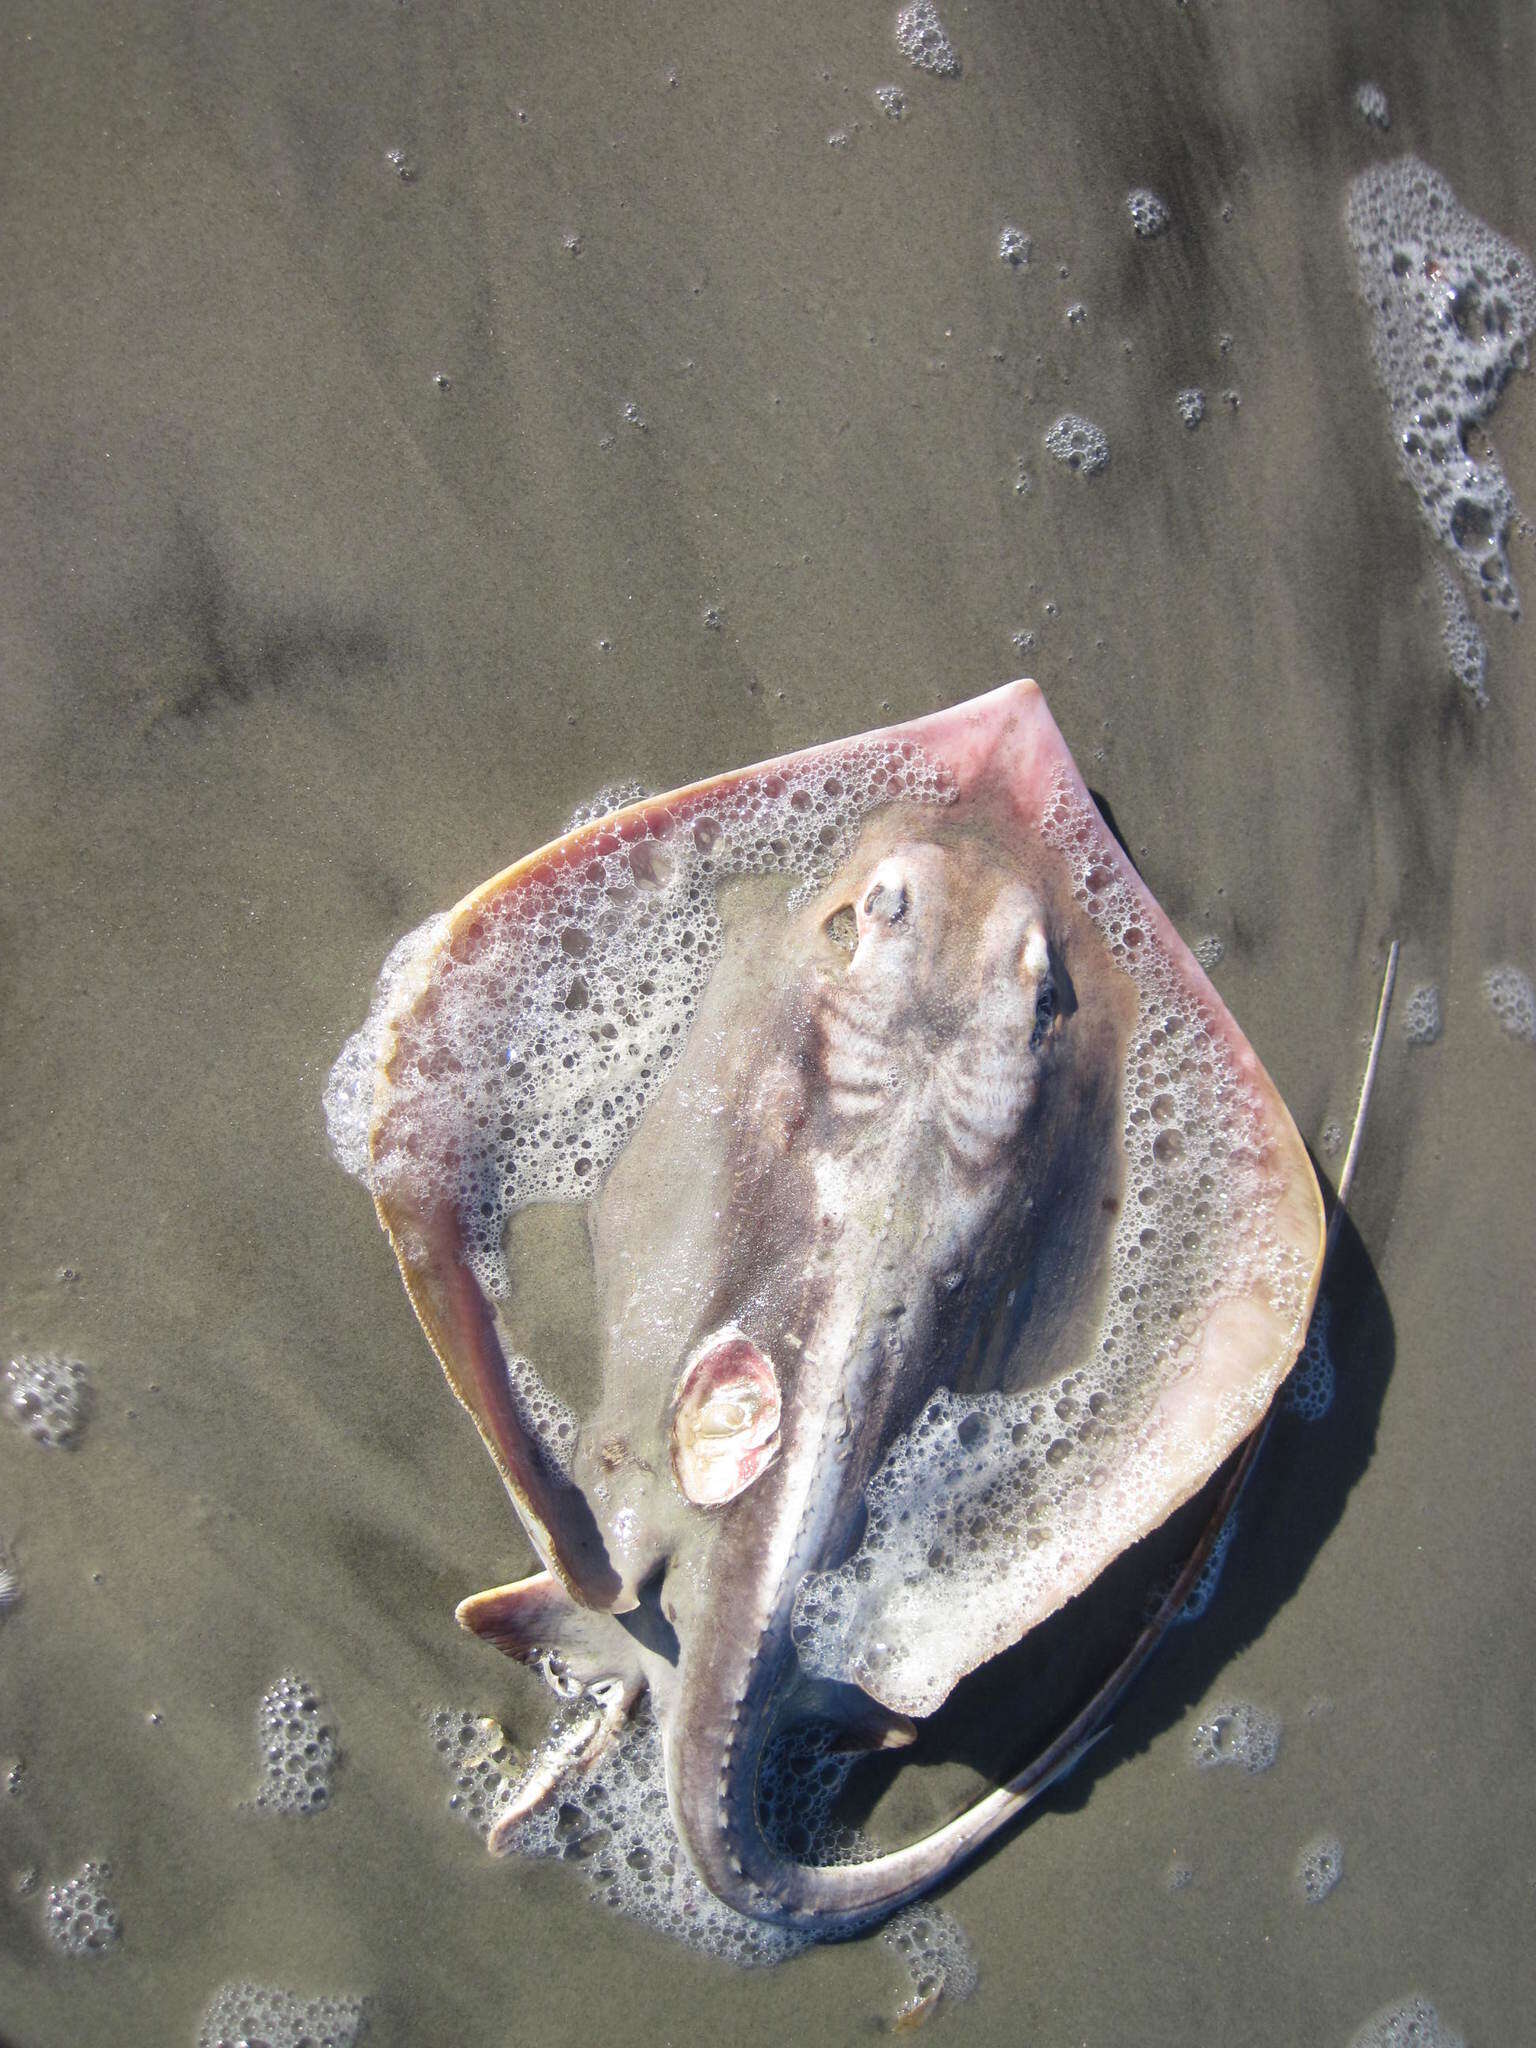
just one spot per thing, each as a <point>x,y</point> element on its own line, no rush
<point>725,1419</point>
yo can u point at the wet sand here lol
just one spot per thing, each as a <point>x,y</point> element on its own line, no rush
<point>300,643</point>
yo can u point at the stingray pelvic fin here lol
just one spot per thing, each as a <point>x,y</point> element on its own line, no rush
<point>535,1621</point>
<point>520,1619</point>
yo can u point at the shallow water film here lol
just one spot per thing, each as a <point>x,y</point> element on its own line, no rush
<point>420,420</point>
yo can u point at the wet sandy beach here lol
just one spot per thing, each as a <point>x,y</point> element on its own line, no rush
<point>416,420</point>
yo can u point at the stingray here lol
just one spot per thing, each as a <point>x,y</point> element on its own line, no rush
<point>945,1232</point>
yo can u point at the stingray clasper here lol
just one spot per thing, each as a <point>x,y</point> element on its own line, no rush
<point>945,1230</point>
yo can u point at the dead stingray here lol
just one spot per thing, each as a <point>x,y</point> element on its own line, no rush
<point>947,1235</point>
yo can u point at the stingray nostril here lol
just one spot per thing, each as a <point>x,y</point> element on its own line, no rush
<point>887,901</point>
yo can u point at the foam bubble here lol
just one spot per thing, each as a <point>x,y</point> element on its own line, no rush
<point>297,1740</point>
<point>266,2016</point>
<point>1191,406</point>
<point>1309,1390</point>
<point>1149,214</point>
<point>482,1760</point>
<point>80,1915</point>
<point>1465,647</point>
<point>1014,247</point>
<point>1209,950</point>
<point>348,1099</point>
<point>10,1583</point>
<point>1453,306</point>
<point>1410,2023</point>
<point>933,1948</point>
<point>1422,1023</point>
<point>561,1017</point>
<point>1078,443</point>
<point>1239,1733</point>
<point>1508,993</point>
<point>921,37</point>
<point>48,1396</point>
<point>1371,105</point>
<point>1319,1866</point>
<point>891,101</point>
<point>614,1823</point>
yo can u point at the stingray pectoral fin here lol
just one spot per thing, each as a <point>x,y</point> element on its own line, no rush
<point>461,1328</point>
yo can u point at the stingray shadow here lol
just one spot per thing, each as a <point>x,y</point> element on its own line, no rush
<point>1007,1711</point>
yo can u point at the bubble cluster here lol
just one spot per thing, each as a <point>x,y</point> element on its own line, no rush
<point>266,2016</point>
<point>1014,248</point>
<point>1371,105</point>
<point>933,1948</point>
<point>1309,1390</point>
<point>48,1396</point>
<point>613,796</point>
<point>1190,405</point>
<point>988,1504</point>
<point>613,1822</point>
<point>1237,1733</point>
<point>920,36</point>
<point>1210,950</point>
<point>1465,647</point>
<point>559,1007</point>
<point>484,1765</point>
<point>891,101</point>
<point>1078,443</point>
<point>79,1914</point>
<point>1149,214</point>
<point>349,1091</point>
<point>1508,993</point>
<point>1411,2023</point>
<point>1422,1023</point>
<point>298,1748</point>
<point>10,1583</point>
<point>1319,1866</point>
<point>1453,306</point>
